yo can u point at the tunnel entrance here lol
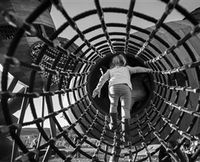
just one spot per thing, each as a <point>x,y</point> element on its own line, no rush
<point>142,86</point>
<point>171,119</point>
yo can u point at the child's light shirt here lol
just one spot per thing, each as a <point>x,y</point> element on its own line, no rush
<point>120,75</point>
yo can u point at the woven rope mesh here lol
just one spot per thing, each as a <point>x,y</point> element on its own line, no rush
<point>54,76</point>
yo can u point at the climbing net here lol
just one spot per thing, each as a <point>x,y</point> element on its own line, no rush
<point>173,55</point>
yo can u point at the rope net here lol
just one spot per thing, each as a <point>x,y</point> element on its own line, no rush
<point>63,72</point>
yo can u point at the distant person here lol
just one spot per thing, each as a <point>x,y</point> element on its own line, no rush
<point>120,88</point>
<point>139,92</point>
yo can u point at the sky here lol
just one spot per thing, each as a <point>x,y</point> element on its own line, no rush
<point>152,8</point>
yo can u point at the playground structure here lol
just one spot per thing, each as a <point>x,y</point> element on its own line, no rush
<point>50,66</point>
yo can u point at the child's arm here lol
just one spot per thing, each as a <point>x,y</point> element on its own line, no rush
<point>139,69</point>
<point>102,80</point>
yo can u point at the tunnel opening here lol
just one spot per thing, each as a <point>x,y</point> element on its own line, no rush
<point>170,49</point>
<point>141,92</point>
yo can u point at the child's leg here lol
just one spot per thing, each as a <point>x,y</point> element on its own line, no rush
<point>114,98</point>
<point>126,106</point>
<point>126,102</point>
<point>114,94</point>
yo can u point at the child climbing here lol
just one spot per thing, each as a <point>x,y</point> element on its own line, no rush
<point>119,88</point>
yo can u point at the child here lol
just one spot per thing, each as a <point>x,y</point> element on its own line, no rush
<point>120,88</point>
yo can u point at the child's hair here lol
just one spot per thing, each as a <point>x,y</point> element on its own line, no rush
<point>118,60</point>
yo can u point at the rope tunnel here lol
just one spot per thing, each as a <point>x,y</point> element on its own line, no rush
<point>54,76</point>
